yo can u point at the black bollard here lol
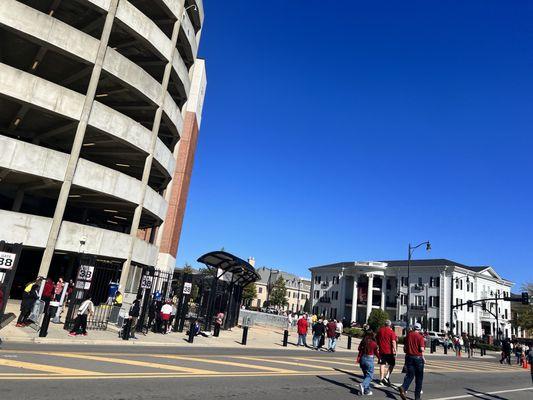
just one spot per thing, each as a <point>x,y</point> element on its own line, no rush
<point>46,322</point>
<point>285,338</point>
<point>445,349</point>
<point>216,331</point>
<point>244,335</point>
<point>349,342</point>
<point>191,334</point>
<point>126,329</point>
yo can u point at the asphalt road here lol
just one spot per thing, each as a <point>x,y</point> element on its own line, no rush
<point>42,372</point>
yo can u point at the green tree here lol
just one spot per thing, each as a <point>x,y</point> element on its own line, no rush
<point>307,306</point>
<point>377,319</point>
<point>187,268</point>
<point>249,293</point>
<point>523,314</point>
<point>278,294</point>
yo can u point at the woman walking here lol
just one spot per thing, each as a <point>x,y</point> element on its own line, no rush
<point>368,349</point>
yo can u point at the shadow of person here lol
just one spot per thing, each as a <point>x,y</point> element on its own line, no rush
<point>483,395</point>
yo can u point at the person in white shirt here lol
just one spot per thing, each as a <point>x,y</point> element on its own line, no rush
<point>80,324</point>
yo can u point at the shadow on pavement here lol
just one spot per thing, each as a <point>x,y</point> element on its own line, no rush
<point>483,395</point>
<point>389,392</point>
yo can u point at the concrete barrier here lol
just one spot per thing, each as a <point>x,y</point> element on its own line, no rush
<point>262,319</point>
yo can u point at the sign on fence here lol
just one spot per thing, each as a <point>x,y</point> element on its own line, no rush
<point>7,260</point>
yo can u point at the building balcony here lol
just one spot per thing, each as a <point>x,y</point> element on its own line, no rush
<point>418,307</point>
<point>324,300</point>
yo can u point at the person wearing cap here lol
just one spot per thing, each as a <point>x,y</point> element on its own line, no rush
<point>386,339</point>
<point>414,347</point>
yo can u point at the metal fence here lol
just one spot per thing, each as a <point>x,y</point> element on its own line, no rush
<point>247,317</point>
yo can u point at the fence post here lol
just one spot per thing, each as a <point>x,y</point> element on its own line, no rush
<point>349,342</point>
<point>285,337</point>
<point>244,335</point>
<point>445,348</point>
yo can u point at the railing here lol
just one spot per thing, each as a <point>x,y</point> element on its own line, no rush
<point>418,307</point>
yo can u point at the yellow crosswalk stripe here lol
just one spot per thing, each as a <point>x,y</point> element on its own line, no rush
<point>222,362</point>
<point>44,367</point>
<point>274,361</point>
<point>136,363</point>
<point>325,361</point>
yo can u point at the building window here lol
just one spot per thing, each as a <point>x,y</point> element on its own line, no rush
<point>259,289</point>
<point>434,301</point>
<point>403,299</point>
<point>419,300</point>
<point>404,281</point>
<point>420,280</point>
<point>317,294</point>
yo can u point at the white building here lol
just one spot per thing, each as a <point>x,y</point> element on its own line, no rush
<point>341,291</point>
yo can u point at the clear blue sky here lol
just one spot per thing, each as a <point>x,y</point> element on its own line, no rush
<point>343,130</point>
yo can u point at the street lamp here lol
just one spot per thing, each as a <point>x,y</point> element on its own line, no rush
<point>269,288</point>
<point>411,249</point>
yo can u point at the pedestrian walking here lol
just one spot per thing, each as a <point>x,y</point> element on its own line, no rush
<point>302,327</point>
<point>318,331</point>
<point>339,330</point>
<point>80,323</point>
<point>166,311</point>
<point>28,300</point>
<point>331,331</point>
<point>135,311</point>
<point>467,345</point>
<point>368,348</point>
<point>414,347</point>
<point>58,289</point>
<point>386,340</point>
<point>506,352</point>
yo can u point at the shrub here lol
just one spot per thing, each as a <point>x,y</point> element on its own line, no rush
<point>354,332</point>
<point>377,319</point>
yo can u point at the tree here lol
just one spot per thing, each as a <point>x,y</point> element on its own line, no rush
<point>278,294</point>
<point>249,293</point>
<point>187,268</point>
<point>377,319</point>
<point>307,306</point>
<point>523,314</point>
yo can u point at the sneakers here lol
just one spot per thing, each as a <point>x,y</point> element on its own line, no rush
<point>84,334</point>
<point>369,393</point>
<point>19,325</point>
<point>361,389</point>
<point>381,383</point>
<point>402,393</point>
<point>387,382</point>
<point>72,334</point>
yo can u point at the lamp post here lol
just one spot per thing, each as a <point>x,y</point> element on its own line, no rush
<point>410,251</point>
<point>269,288</point>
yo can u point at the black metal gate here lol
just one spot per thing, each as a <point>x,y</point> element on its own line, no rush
<point>9,258</point>
<point>104,274</point>
<point>154,285</point>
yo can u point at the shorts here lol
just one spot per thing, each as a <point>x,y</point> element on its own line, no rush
<point>389,359</point>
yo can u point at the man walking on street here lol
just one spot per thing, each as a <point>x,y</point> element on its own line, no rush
<point>134,313</point>
<point>386,339</point>
<point>414,362</point>
<point>331,331</point>
<point>302,331</point>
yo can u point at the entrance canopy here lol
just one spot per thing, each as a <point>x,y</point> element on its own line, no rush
<point>243,272</point>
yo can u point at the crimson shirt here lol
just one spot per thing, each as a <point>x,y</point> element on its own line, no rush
<point>385,337</point>
<point>372,349</point>
<point>302,326</point>
<point>413,342</point>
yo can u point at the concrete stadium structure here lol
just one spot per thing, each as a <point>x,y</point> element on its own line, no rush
<point>100,107</point>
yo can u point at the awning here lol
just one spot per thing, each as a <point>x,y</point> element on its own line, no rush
<point>242,271</point>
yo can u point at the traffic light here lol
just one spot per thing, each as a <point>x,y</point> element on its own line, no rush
<point>525,298</point>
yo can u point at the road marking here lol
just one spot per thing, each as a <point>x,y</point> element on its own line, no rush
<point>44,368</point>
<point>476,394</point>
<point>151,376</point>
<point>131,362</point>
<point>274,361</point>
<point>325,361</point>
<point>221,362</point>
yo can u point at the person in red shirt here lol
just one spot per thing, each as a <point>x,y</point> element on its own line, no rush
<point>368,348</point>
<point>302,330</point>
<point>386,339</point>
<point>331,332</point>
<point>414,347</point>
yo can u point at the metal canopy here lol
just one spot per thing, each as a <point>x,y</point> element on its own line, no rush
<point>242,271</point>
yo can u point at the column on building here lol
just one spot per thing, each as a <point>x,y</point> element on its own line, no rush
<point>370,294</point>
<point>383,292</point>
<point>354,300</point>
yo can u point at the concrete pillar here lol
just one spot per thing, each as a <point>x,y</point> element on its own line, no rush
<point>354,300</point>
<point>383,292</point>
<point>19,198</point>
<point>148,162</point>
<point>370,295</point>
<point>78,142</point>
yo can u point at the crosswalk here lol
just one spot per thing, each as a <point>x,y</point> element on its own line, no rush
<point>50,365</point>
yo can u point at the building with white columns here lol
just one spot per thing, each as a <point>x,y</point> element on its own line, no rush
<point>350,290</point>
<point>100,108</point>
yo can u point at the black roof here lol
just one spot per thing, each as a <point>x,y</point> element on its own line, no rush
<point>227,262</point>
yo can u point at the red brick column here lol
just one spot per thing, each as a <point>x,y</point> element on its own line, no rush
<point>180,186</point>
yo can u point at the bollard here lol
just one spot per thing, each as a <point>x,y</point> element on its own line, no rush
<point>349,342</point>
<point>216,331</point>
<point>244,335</point>
<point>445,349</point>
<point>191,334</point>
<point>44,326</point>
<point>285,337</point>
<point>432,347</point>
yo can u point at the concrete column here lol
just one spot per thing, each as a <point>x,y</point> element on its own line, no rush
<point>383,292</point>
<point>148,162</point>
<point>19,198</point>
<point>78,142</point>
<point>370,295</point>
<point>354,300</point>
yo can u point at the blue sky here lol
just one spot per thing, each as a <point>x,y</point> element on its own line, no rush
<point>337,131</point>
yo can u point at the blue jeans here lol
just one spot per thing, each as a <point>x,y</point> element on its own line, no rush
<point>316,341</point>
<point>415,369</point>
<point>367,365</point>
<point>302,340</point>
<point>332,342</point>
